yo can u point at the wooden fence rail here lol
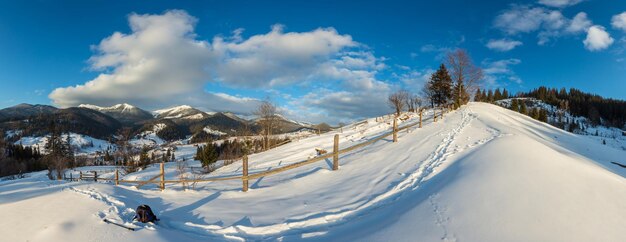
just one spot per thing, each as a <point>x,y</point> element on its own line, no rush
<point>245,177</point>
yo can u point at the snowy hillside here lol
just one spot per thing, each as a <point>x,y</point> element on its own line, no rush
<point>184,111</point>
<point>149,138</point>
<point>484,173</point>
<point>610,136</point>
<point>82,144</point>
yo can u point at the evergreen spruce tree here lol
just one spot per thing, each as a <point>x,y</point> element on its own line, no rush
<point>497,95</point>
<point>505,94</point>
<point>490,96</point>
<point>543,115</point>
<point>144,159</point>
<point>522,108</point>
<point>514,105</point>
<point>535,113</point>
<point>207,155</point>
<point>440,86</point>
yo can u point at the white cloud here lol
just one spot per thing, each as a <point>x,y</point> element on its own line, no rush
<point>161,62</point>
<point>503,44</point>
<point>619,21</point>
<point>160,59</point>
<point>580,23</point>
<point>414,80</point>
<point>559,3</point>
<point>597,38</point>
<point>344,106</point>
<point>521,19</point>
<point>499,72</point>
<point>548,23</point>
<point>277,58</point>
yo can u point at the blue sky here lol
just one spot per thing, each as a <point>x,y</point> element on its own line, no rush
<point>319,60</point>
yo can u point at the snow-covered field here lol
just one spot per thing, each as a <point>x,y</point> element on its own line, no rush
<point>483,174</point>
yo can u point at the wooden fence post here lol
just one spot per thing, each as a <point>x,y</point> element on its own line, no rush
<point>117,177</point>
<point>420,118</point>
<point>442,114</point>
<point>162,185</point>
<point>95,176</point>
<point>336,153</point>
<point>395,130</point>
<point>80,178</point>
<point>435,115</point>
<point>244,177</point>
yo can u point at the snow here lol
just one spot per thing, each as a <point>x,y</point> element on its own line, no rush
<point>484,173</point>
<point>12,133</point>
<point>149,138</point>
<point>124,107</point>
<point>174,112</point>
<point>82,144</point>
<point>208,130</point>
<point>195,116</point>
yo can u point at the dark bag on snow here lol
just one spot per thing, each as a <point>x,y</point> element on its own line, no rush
<point>145,214</point>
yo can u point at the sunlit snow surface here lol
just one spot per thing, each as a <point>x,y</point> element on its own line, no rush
<point>483,174</point>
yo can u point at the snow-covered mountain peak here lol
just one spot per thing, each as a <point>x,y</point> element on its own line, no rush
<point>182,111</point>
<point>123,112</point>
<point>123,107</point>
<point>173,109</point>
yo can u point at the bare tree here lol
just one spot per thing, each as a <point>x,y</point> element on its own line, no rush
<point>181,169</point>
<point>267,114</point>
<point>124,151</point>
<point>397,100</point>
<point>463,71</point>
<point>413,103</point>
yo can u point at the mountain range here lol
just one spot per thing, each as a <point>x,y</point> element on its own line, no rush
<point>105,122</point>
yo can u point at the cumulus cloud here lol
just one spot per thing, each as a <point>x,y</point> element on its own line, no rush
<point>619,21</point>
<point>161,62</point>
<point>597,38</point>
<point>160,59</point>
<point>277,58</point>
<point>559,3</point>
<point>503,44</point>
<point>547,23</point>
<point>580,23</point>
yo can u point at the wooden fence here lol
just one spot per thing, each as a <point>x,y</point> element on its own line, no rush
<point>245,176</point>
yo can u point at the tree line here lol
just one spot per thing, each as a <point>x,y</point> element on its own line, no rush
<point>19,159</point>
<point>598,110</point>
